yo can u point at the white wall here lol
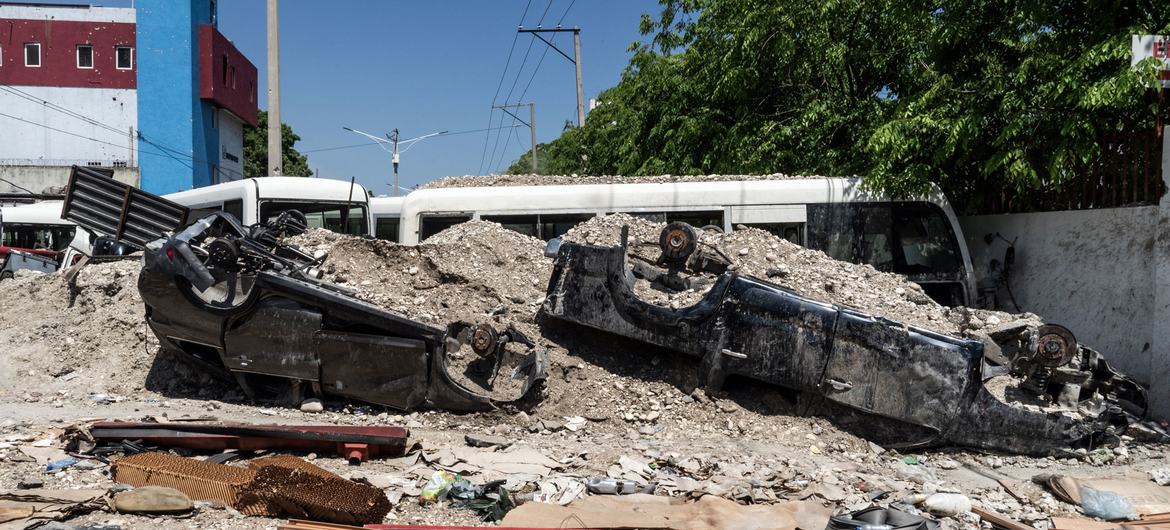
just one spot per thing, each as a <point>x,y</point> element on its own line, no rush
<point>1091,271</point>
<point>81,142</point>
<point>231,144</point>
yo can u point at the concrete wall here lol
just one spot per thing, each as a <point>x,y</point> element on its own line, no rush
<point>38,179</point>
<point>231,147</point>
<point>48,136</point>
<point>1090,271</point>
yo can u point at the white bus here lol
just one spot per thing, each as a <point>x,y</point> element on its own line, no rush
<point>37,226</point>
<point>917,237</point>
<point>324,202</point>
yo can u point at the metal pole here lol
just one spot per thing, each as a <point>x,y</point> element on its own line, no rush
<point>275,145</point>
<point>532,130</point>
<point>131,138</point>
<point>394,160</point>
<point>580,92</point>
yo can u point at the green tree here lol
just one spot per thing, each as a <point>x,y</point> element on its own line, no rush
<point>974,95</point>
<point>256,151</point>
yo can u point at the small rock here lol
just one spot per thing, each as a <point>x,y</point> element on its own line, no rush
<point>486,440</point>
<point>152,499</point>
<point>743,251</point>
<point>312,405</point>
<point>30,483</point>
<point>726,405</point>
<point>412,271</point>
<point>947,504</point>
<point>699,395</point>
<point>947,463</point>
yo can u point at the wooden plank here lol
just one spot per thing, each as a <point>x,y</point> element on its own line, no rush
<point>999,520</point>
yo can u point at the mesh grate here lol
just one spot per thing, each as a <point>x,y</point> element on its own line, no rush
<point>198,479</point>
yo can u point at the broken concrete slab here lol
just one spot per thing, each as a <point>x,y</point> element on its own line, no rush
<point>650,512</point>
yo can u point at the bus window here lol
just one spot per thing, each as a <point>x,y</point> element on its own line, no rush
<point>874,238</point>
<point>321,215</point>
<point>432,225</point>
<point>926,240</point>
<point>386,228</point>
<point>528,225</point>
<point>793,232</point>
<point>555,225</point>
<point>37,236</point>
<point>695,219</point>
<point>235,207</point>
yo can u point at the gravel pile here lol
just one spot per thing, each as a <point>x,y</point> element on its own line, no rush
<point>473,181</point>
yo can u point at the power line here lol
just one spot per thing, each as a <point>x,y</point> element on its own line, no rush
<point>82,136</point>
<point>367,144</point>
<point>74,114</point>
<point>491,113</point>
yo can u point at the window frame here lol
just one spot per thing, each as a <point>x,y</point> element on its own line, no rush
<point>117,56</point>
<point>77,56</point>
<point>40,58</point>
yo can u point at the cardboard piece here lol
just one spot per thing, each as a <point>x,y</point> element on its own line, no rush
<point>708,513</point>
<point>18,508</point>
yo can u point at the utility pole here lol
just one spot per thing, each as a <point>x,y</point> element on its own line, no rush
<point>531,124</point>
<point>394,141</point>
<point>275,143</point>
<point>394,160</point>
<point>575,59</point>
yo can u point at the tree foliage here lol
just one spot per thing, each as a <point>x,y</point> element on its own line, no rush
<point>974,95</point>
<point>293,162</point>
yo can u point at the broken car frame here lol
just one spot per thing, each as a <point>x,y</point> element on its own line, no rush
<point>924,387</point>
<point>237,301</point>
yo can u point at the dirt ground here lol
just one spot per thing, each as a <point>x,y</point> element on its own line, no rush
<point>71,355</point>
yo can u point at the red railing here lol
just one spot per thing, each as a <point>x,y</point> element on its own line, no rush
<point>1127,172</point>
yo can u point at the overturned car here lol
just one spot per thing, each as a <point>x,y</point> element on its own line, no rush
<point>236,301</point>
<point>913,387</point>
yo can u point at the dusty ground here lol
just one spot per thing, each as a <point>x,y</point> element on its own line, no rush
<point>71,355</point>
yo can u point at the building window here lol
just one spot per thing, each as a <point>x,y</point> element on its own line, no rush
<point>224,70</point>
<point>84,56</point>
<point>124,57</point>
<point>32,54</point>
<point>233,77</point>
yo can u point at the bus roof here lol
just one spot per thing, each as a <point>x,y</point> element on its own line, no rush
<point>290,188</point>
<point>671,195</point>
<point>45,212</point>
<point>476,181</point>
<point>386,205</point>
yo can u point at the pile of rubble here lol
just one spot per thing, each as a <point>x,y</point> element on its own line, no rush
<point>83,341</point>
<point>616,415</point>
<point>472,181</point>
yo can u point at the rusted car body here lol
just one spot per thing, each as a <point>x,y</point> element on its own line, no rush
<point>926,387</point>
<point>237,301</point>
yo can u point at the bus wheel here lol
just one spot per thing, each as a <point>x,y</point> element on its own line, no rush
<point>6,275</point>
<point>716,228</point>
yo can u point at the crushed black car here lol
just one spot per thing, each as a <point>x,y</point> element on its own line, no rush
<point>924,387</point>
<point>236,301</point>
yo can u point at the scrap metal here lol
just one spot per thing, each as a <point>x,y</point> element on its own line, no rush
<point>354,443</point>
<point>918,387</point>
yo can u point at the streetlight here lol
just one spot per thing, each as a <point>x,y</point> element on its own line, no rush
<point>394,141</point>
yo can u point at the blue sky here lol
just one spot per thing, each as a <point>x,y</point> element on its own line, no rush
<point>425,66</point>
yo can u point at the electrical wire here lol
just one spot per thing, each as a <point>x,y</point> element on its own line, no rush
<point>82,136</point>
<point>367,144</point>
<point>492,112</point>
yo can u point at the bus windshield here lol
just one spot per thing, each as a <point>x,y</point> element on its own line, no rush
<point>322,215</point>
<point>36,236</point>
